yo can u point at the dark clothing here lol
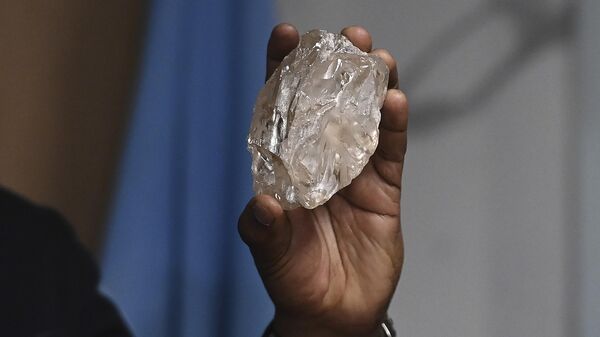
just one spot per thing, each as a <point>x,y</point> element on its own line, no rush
<point>48,281</point>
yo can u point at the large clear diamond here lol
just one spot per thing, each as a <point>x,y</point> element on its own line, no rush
<point>316,120</point>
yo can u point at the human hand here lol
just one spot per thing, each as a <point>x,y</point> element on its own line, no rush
<point>331,271</point>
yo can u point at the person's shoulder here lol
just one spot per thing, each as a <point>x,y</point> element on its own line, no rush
<point>33,239</point>
<point>48,280</point>
<point>12,204</point>
<point>21,217</point>
<point>15,206</point>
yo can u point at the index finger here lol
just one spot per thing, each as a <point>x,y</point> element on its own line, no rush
<point>284,38</point>
<point>391,64</point>
<point>359,37</point>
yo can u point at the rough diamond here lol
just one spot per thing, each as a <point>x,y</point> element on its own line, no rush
<point>315,122</point>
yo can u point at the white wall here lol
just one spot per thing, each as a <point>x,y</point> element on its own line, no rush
<point>486,193</point>
<point>589,171</point>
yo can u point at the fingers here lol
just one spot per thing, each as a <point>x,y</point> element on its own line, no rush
<point>359,37</point>
<point>392,137</point>
<point>394,112</point>
<point>391,64</point>
<point>284,38</point>
<point>392,130</point>
<point>263,226</point>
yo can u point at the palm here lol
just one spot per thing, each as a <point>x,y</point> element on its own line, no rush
<point>339,263</point>
<point>343,259</point>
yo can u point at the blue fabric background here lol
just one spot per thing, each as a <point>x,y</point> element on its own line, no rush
<point>173,261</point>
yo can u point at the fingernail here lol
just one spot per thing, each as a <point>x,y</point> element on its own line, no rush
<point>262,215</point>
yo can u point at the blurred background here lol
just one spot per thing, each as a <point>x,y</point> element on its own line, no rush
<point>130,118</point>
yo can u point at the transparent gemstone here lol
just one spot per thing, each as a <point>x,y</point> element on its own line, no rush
<point>315,122</point>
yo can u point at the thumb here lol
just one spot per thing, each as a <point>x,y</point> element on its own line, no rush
<point>264,227</point>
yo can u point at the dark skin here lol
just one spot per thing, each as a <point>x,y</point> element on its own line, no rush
<point>331,271</point>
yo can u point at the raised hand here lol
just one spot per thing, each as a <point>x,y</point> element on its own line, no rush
<point>332,271</point>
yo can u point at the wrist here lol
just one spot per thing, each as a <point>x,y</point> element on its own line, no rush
<point>286,326</point>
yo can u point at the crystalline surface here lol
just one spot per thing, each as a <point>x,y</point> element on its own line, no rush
<point>316,120</point>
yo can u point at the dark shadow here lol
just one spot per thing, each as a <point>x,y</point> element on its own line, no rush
<point>537,29</point>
